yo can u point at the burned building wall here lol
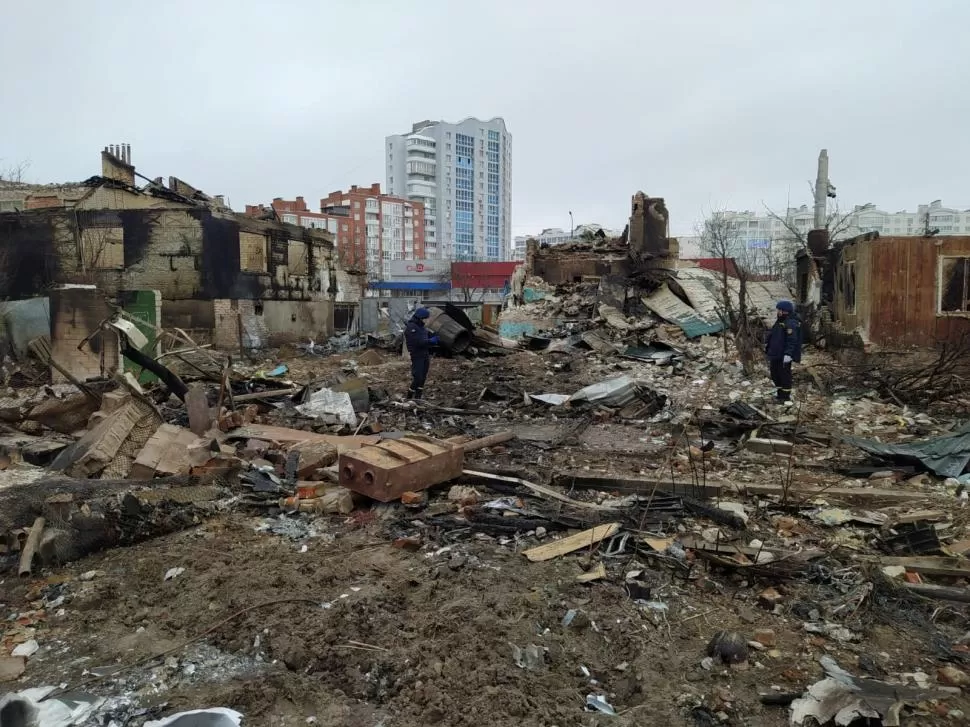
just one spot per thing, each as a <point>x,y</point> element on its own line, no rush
<point>904,291</point>
<point>185,253</point>
<point>76,345</point>
<point>648,228</point>
<point>558,268</point>
<point>30,261</point>
<point>193,255</point>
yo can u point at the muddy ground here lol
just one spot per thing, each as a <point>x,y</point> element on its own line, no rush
<point>342,627</point>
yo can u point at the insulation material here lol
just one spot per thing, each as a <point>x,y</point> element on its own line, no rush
<point>328,402</point>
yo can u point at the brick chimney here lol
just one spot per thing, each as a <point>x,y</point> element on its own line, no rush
<point>116,163</point>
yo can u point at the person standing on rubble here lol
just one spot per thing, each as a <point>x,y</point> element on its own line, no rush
<point>419,342</point>
<point>784,346</point>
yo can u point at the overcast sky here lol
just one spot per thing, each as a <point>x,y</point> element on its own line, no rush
<point>711,104</point>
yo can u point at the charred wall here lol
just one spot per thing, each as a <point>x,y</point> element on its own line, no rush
<point>30,262</point>
<point>187,253</point>
<point>557,268</point>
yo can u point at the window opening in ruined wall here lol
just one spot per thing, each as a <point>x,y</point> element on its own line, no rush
<point>296,257</point>
<point>252,252</point>
<point>102,248</point>
<point>954,285</point>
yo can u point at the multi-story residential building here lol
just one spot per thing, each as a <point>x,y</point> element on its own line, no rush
<point>383,227</point>
<point>756,231</point>
<point>462,174</point>
<point>772,236</point>
<point>558,236</point>
<point>370,228</point>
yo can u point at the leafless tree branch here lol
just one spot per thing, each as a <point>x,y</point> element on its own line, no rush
<point>14,173</point>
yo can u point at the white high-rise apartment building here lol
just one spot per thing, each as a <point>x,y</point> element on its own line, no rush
<point>462,172</point>
<point>762,231</point>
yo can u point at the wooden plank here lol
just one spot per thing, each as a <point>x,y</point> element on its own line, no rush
<point>942,593</point>
<point>540,490</point>
<point>597,573</point>
<point>932,565</point>
<point>585,539</point>
<point>727,549</point>
<point>930,516</point>
<point>269,394</point>
<point>638,485</point>
<point>860,494</point>
<point>961,547</point>
<point>287,436</point>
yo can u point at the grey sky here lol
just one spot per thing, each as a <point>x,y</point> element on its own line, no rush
<point>711,104</point>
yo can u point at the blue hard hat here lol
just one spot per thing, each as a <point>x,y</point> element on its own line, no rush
<point>422,313</point>
<point>786,305</point>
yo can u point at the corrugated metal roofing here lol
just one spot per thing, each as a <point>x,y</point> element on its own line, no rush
<point>671,308</point>
<point>946,456</point>
<point>702,288</point>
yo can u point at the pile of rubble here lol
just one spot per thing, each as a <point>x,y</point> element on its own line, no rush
<point>625,467</point>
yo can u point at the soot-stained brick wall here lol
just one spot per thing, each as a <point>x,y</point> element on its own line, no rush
<point>186,253</point>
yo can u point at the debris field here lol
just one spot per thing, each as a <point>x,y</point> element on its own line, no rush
<point>602,521</point>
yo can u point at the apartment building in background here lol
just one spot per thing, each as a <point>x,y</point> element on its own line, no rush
<point>370,228</point>
<point>763,232</point>
<point>462,174</point>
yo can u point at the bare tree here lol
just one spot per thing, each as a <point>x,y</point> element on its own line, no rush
<point>837,224</point>
<point>14,173</point>
<point>721,238</point>
<point>465,285</point>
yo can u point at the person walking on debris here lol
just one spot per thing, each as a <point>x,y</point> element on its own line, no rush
<point>783,347</point>
<point>419,342</point>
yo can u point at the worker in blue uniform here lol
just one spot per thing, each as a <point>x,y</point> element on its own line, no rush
<point>419,341</point>
<point>784,347</point>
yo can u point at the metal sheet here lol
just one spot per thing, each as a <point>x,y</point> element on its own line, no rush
<point>946,456</point>
<point>671,308</point>
<point>760,296</point>
<point>702,288</point>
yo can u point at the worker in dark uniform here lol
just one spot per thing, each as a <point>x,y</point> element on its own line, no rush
<point>784,347</point>
<point>419,342</point>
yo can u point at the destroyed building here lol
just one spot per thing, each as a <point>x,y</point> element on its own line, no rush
<point>641,272</point>
<point>613,510</point>
<point>231,280</point>
<point>890,291</point>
